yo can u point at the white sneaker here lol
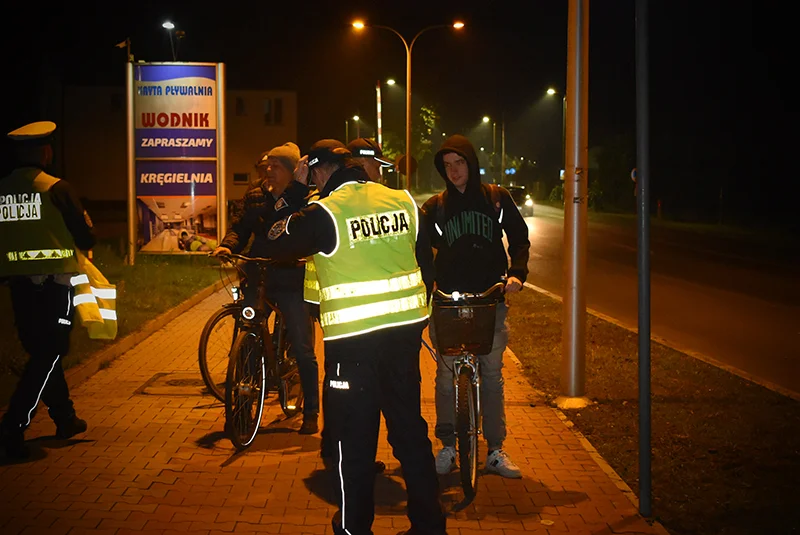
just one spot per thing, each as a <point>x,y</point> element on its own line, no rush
<point>500,463</point>
<point>445,460</point>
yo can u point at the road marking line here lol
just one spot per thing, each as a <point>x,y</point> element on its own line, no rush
<point>677,347</point>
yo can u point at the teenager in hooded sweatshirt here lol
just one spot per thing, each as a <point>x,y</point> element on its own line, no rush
<point>466,224</point>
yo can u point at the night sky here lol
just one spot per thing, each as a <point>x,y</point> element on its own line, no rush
<point>718,76</point>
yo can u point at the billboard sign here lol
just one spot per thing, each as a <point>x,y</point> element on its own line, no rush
<point>174,129</point>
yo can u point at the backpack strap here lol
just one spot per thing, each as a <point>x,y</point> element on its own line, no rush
<point>494,200</point>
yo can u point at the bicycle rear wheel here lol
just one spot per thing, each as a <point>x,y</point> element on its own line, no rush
<point>245,389</point>
<point>290,392</point>
<point>467,432</point>
<point>216,342</point>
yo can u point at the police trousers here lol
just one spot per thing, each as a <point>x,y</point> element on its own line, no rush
<point>364,376</point>
<point>43,314</point>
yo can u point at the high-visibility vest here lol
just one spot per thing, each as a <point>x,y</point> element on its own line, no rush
<point>310,282</point>
<point>94,300</point>
<point>33,237</point>
<point>371,279</point>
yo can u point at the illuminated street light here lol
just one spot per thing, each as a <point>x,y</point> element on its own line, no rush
<point>551,92</point>
<point>390,81</point>
<point>169,26</point>
<point>486,119</point>
<point>360,25</point>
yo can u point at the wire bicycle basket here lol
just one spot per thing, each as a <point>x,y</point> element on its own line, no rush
<point>464,325</point>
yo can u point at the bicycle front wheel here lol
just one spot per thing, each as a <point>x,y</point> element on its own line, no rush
<point>216,342</point>
<point>467,432</point>
<point>245,389</point>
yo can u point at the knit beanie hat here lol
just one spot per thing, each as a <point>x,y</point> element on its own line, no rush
<point>288,154</point>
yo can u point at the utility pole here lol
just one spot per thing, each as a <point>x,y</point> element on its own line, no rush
<point>573,369</point>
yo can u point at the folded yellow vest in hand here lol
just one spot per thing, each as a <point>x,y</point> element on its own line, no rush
<point>95,300</point>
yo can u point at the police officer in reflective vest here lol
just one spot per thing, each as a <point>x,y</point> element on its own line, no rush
<point>42,226</point>
<point>374,265</point>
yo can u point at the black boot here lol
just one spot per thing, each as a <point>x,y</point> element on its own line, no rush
<point>70,427</point>
<point>13,442</point>
<point>310,425</point>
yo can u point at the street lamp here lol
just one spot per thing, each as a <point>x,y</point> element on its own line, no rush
<point>358,126</point>
<point>379,103</point>
<point>360,25</point>
<point>551,92</point>
<point>169,26</point>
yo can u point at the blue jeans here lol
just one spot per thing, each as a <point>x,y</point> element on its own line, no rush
<point>300,331</point>
<point>492,390</point>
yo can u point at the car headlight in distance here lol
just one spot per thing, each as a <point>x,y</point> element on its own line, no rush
<point>528,202</point>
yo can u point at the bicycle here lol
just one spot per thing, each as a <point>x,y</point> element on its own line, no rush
<point>218,336</point>
<point>258,363</point>
<point>465,324</point>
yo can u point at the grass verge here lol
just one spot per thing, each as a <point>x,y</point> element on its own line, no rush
<point>153,285</point>
<point>726,452</point>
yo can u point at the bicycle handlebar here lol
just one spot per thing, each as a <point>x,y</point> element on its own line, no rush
<point>456,296</point>
<point>243,258</point>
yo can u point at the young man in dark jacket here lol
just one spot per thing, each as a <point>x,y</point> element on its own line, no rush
<point>466,224</point>
<point>277,196</point>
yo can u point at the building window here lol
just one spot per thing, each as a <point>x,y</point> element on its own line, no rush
<point>116,102</point>
<point>239,106</point>
<point>273,111</point>
<point>241,178</point>
<point>268,111</point>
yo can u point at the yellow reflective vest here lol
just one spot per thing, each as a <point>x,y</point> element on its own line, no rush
<point>371,279</point>
<point>94,300</point>
<point>310,282</point>
<point>35,240</point>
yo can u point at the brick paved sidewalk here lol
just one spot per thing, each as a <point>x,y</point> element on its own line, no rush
<point>155,460</point>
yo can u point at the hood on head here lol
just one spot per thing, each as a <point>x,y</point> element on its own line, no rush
<point>463,147</point>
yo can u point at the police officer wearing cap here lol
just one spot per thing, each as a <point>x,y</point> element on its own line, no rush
<point>374,265</point>
<point>42,227</point>
<point>368,153</point>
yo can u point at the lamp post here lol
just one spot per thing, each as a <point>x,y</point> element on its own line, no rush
<point>169,26</point>
<point>552,92</point>
<point>357,120</point>
<point>378,101</point>
<point>360,25</point>
<point>486,119</point>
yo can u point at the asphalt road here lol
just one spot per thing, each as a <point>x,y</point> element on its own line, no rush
<point>733,299</point>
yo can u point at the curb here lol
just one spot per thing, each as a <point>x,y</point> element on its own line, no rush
<point>676,347</point>
<point>99,360</point>
<point>593,453</point>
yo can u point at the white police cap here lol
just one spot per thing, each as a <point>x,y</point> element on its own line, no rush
<point>39,130</point>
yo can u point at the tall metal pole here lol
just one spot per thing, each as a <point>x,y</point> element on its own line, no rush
<point>494,150</point>
<point>346,131</point>
<point>222,179</point>
<point>378,101</point>
<point>503,148</point>
<point>130,123</point>
<point>408,116</point>
<point>643,252</point>
<point>573,380</point>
